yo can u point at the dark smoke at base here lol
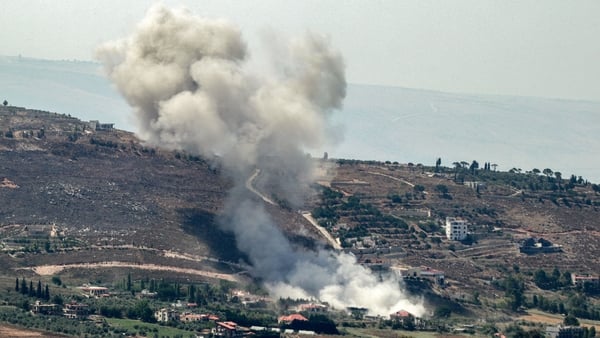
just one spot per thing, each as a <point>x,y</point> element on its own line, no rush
<point>184,76</point>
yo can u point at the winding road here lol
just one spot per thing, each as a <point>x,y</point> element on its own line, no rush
<point>307,215</point>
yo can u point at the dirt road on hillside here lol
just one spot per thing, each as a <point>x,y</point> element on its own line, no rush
<point>46,270</point>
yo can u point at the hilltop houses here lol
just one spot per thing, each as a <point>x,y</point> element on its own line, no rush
<point>96,125</point>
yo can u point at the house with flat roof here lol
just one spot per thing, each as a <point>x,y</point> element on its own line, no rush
<point>581,279</point>
<point>456,229</point>
<point>75,310</point>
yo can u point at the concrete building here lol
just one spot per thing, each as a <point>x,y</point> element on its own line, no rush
<point>456,229</point>
<point>44,309</point>
<point>75,310</point>
<point>96,125</point>
<point>424,272</point>
<point>166,315</point>
<point>580,280</point>
<point>95,291</point>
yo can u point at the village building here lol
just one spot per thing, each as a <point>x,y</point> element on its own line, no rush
<point>166,315</point>
<point>38,230</point>
<point>192,317</point>
<point>228,330</point>
<point>75,310</point>
<point>290,318</point>
<point>96,125</point>
<point>475,185</point>
<point>95,291</point>
<point>406,319</point>
<point>456,229</point>
<point>424,272</point>
<point>403,316</point>
<point>313,308</point>
<point>147,294</point>
<point>44,309</point>
<point>580,280</point>
<point>532,246</point>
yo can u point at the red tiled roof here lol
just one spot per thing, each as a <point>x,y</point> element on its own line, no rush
<point>292,317</point>
<point>227,325</point>
<point>402,314</point>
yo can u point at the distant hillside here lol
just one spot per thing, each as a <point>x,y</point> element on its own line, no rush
<point>103,189</point>
<point>381,123</point>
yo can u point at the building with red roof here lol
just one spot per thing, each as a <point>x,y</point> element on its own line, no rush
<point>290,318</point>
<point>227,329</point>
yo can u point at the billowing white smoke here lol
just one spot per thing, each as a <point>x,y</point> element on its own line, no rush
<point>185,78</point>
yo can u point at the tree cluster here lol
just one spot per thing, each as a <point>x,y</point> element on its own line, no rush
<point>39,292</point>
<point>552,281</point>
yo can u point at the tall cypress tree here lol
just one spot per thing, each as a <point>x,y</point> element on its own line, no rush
<point>23,286</point>
<point>47,293</point>
<point>17,285</point>
<point>38,291</point>
<point>129,281</point>
<point>31,290</point>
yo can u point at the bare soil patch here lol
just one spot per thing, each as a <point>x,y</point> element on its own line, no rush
<point>47,270</point>
<point>7,331</point>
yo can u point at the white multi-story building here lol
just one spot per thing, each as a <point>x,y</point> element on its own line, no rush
<point>456,228</point>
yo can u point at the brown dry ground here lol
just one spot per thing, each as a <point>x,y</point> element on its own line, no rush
<point>7,331</point>
<point>106,189</point>
<point>472,267</point>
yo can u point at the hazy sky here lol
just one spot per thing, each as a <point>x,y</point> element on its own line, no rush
<point>532,48</point>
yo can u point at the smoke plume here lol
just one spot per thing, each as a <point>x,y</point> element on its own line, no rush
<point>186,79</point>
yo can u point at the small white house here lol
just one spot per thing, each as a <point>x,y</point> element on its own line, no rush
<point>456,228</point>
